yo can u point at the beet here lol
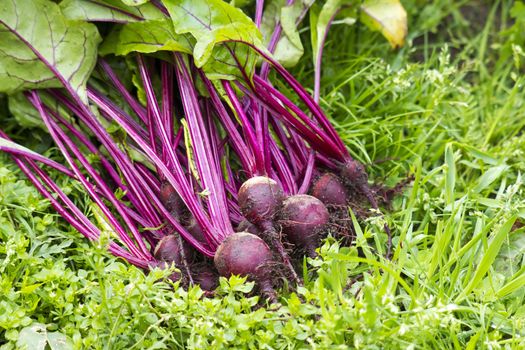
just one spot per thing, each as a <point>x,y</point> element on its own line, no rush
<point>259,197</point>
<point>171,200</point>
<point>302,219</point>
<point>247,226</point>
<point>207,280</point>
<point>242,254</point>
<point>355,175</point>
<point>195,229</point>
<point>172,248</point>
<point>245,254</point>
<point>316,174</point>
<point>354,172</point>
<point>330,190</point>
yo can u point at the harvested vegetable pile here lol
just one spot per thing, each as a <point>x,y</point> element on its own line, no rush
<point>193,142</point>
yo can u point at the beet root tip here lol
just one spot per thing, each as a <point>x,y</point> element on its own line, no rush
<point>169,249</point>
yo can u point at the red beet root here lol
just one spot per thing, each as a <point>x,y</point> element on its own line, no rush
<point>354,172</point>
<point>242,254</point>
<point>173,249</point>
<point>195,229</point>
<point>356,175</point>
<point>245,254</point>
<point>302,219</point>
<point>247,226</point>
<point>259,198</point>
<point>171,200</point>
<point>330,190</point>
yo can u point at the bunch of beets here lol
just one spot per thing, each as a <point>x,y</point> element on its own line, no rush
<point>218,177</point>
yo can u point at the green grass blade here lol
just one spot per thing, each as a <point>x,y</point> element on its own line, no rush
<point>512,286</point>
<point>450,179</point>
<point>489,256</point>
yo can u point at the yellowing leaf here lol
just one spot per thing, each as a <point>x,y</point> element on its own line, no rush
<point>387,16</point>
<point>189,150</point>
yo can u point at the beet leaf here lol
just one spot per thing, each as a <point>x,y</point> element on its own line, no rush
<point>47,51</point>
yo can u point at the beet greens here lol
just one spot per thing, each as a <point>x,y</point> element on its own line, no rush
<point>178,137</point>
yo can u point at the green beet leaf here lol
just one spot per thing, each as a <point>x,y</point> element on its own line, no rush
<point>135,2</point>
<point>108,11</point>
<point>146,37</point>
<point>46,51</point>
<point>219,30</point>
<point>321,20</point>
<point>27,115</point>
<point>289,48</point>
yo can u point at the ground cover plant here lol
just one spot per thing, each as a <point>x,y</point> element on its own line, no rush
<point>450,115</point>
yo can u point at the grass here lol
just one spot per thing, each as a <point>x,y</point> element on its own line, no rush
<point>447,109</point>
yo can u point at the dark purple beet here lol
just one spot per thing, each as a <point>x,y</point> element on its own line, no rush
<point>330,190</point>
<point>171,249</point>
<point>259,197</point>
<point>302,219</point>
<point>242,253</point>
<point>245,254</point>
<point>355,175</point>
<point>316,174</point>
<point>354,172</point>
<point>247,226</point>
<point>171,200</point>
<point>195,229</point>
